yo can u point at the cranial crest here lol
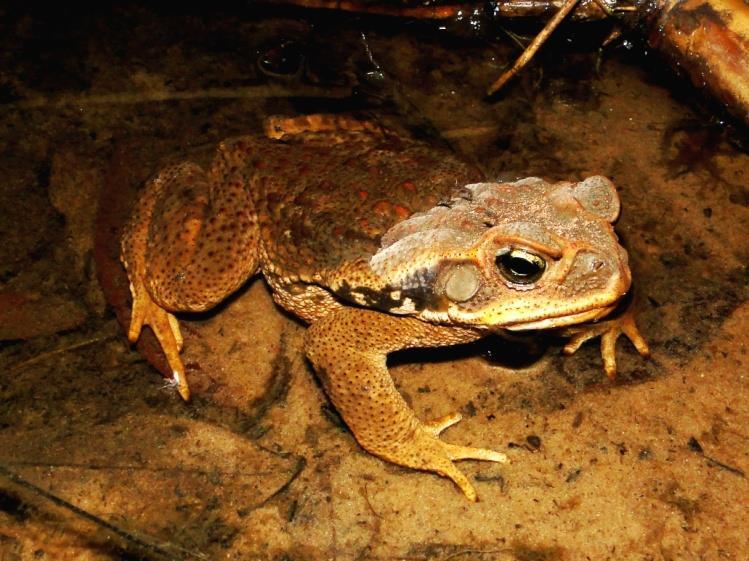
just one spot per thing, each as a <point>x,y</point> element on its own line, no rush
<point>597,195</point>
<point>531,213</point>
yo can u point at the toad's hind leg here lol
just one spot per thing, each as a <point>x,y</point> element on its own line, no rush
<point>348,349</point>
<point>191,241</point>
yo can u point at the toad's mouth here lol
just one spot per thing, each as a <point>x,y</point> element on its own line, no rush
<point>561,321</point>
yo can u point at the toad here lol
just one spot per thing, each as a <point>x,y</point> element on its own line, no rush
<point>379,243</point>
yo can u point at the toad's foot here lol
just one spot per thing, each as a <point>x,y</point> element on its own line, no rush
<point>166,328</point>
<point>609,330</point>
<point>438,426</point>
<point>424,450</point>
<point>348,349</point>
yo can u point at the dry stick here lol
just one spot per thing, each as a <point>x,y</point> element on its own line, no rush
<point>159,95</point>
<point>497,9</point>
<point>134,467</point>
<point>417,12</point>
<point>566,8</point>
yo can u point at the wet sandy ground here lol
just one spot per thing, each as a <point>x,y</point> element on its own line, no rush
<point>651,466</point>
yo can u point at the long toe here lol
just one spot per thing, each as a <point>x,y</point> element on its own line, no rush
<point>456,452</point>
<point>437,426</point>
<point>166,328</point>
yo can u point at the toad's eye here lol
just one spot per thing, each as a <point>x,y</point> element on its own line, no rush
<point>520,266</point>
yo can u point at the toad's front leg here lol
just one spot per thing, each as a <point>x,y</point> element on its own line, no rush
<point>609,330</point>
<point>348,349</point>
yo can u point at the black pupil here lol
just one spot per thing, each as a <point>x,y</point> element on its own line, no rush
<point>520,269</point>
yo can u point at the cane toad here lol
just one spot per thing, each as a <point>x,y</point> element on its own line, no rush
<point>380,243</point>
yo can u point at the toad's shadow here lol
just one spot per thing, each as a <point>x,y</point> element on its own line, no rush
<point>510,351</point>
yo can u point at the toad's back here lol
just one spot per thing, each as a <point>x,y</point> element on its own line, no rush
<point>325,199</point>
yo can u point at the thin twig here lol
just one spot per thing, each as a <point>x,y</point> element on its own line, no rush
<point>124,534</point>
<point>694,445</point>
<point>499,9</point>
<point>417,12</point>
<point>515,37</point>
<point>126,98</point>
<point>539,40</point>
<point>64,349</point>
<point>734,470</point>
<point>136,468</point>
<point>301,463</point>
<point>613,35</point>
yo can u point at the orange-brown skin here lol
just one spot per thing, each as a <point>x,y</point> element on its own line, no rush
<point>381,244</point>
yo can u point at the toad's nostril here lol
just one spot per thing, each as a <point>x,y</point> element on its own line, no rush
<point>589,262</point>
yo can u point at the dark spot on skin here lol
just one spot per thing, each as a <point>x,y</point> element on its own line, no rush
<point>422,297</point>
<point>469,409</point>
<point>533,441</point>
